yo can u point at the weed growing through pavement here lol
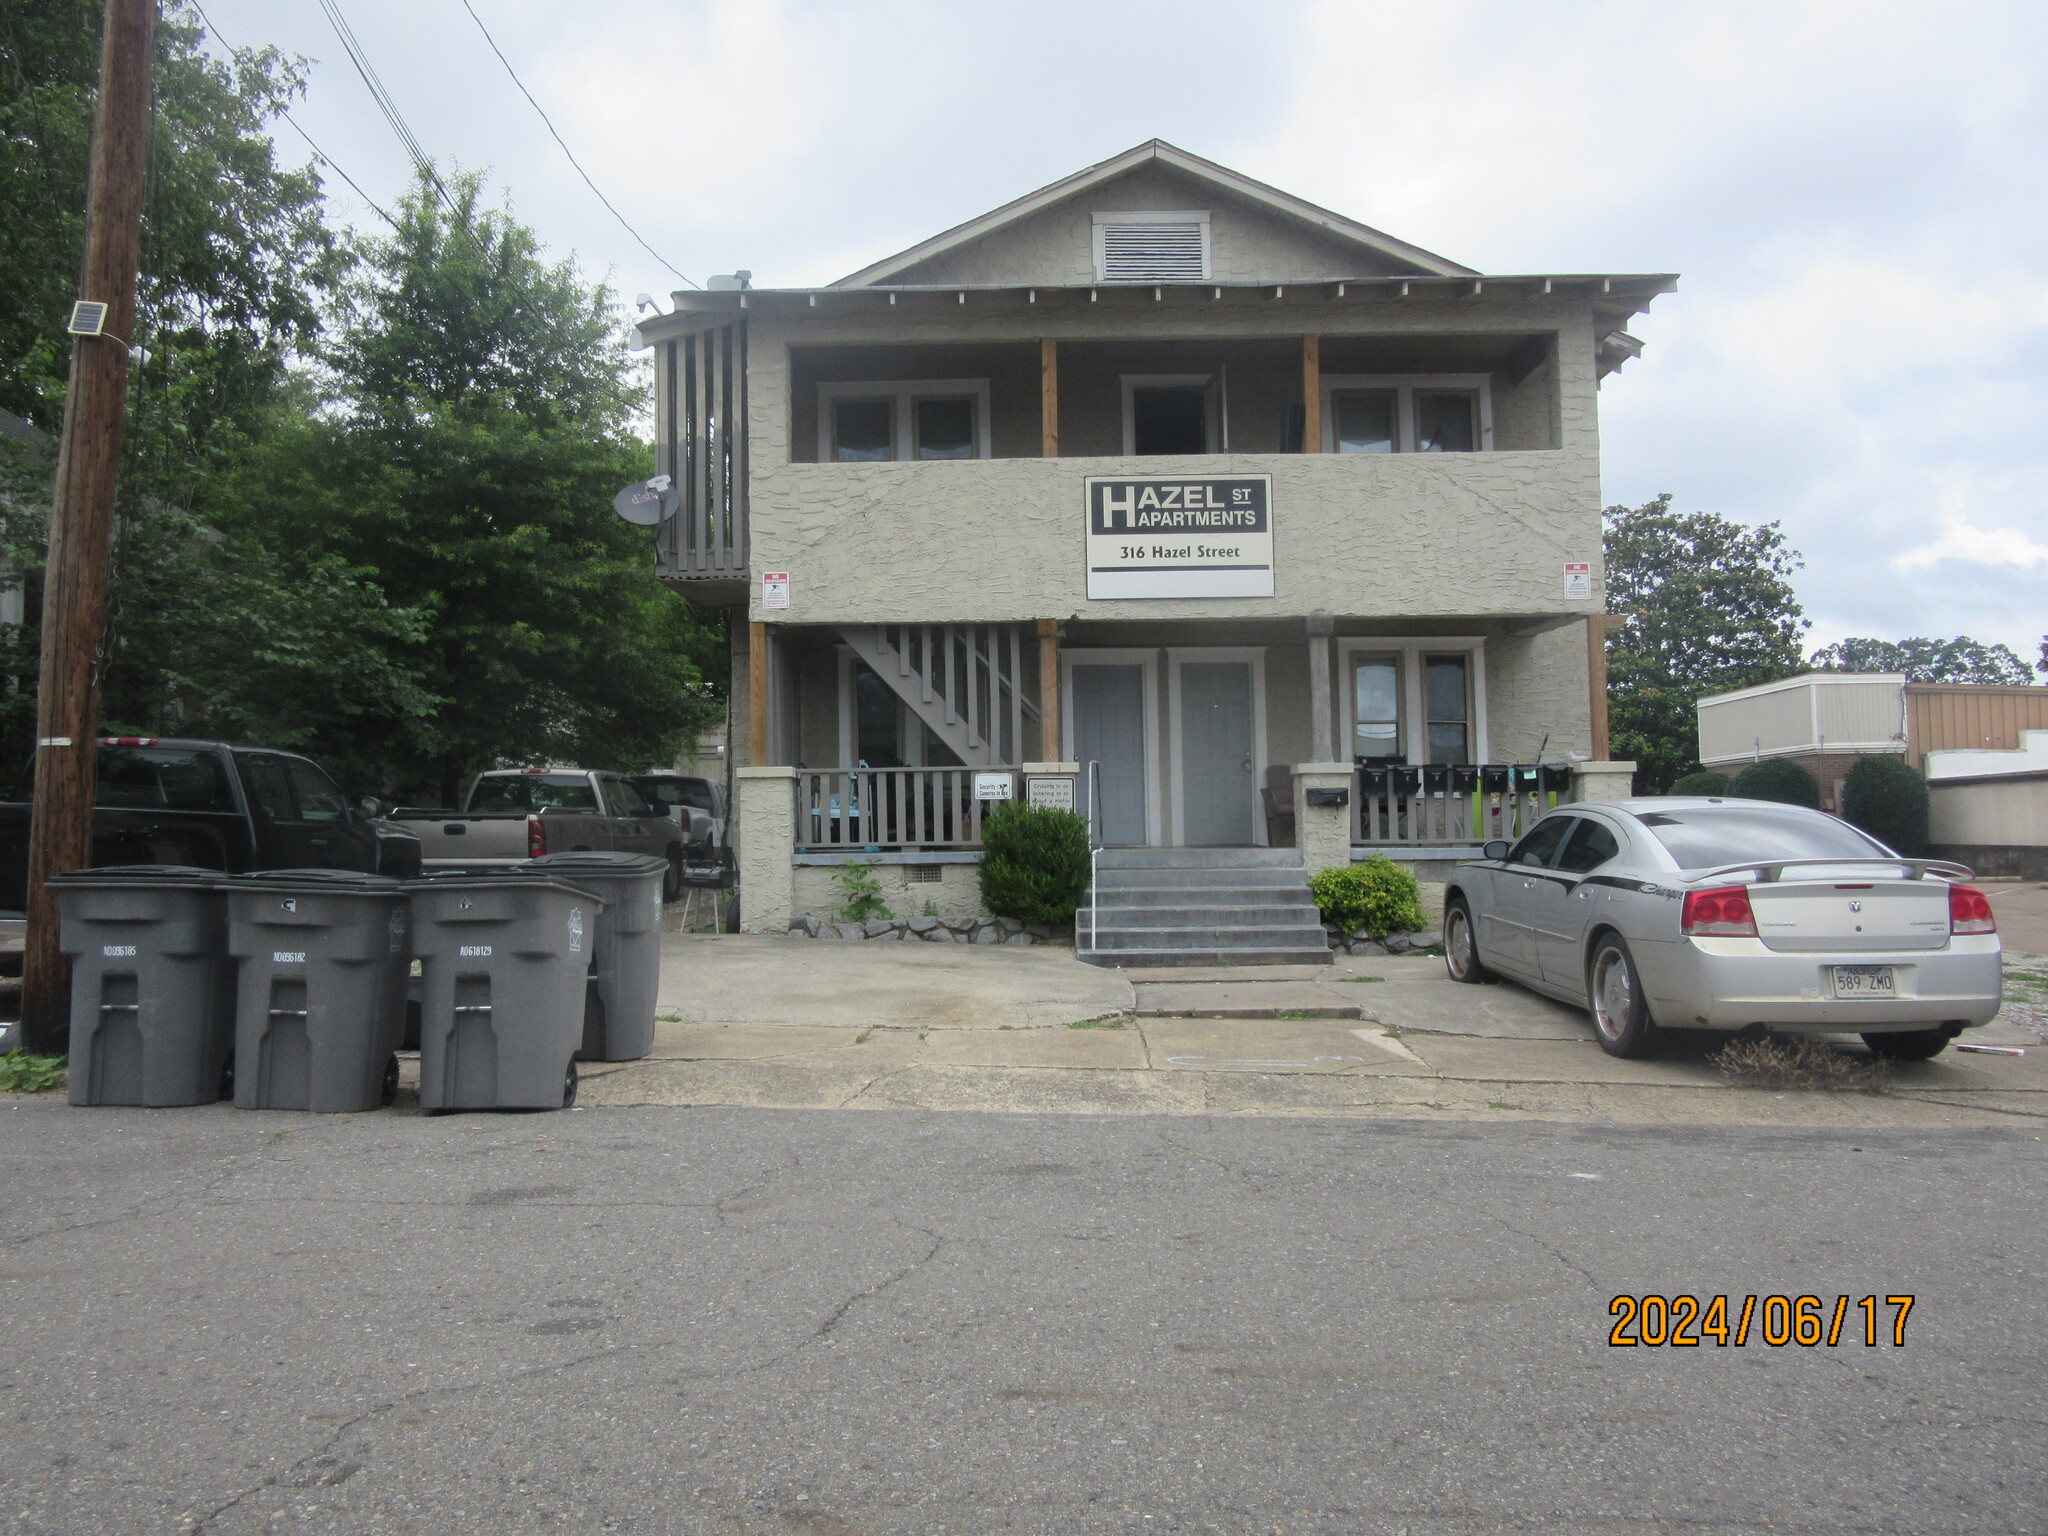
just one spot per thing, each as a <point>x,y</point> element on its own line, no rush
<point>1808,1065</point>
<point>1097,1024</point>
<point>22,1073</point>
<point>862,1037</point>
<point>1501,1104</point>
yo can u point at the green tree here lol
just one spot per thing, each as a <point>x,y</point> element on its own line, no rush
<point>480,415</point>
<point>1705,605</point>
<point>1924,660</point>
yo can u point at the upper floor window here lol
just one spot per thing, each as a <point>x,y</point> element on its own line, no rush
<point>1411,413</point>
<point>918,419</point>
<point>1173,413</point>
<point>1152,246</point>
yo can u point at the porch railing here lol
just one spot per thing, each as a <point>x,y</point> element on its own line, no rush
<point>1452,805</point>
<point>701,401</point>
<point>888,809</point>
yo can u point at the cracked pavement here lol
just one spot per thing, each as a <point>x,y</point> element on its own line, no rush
<point>757,1321</point>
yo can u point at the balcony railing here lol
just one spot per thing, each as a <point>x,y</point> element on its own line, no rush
<point>1445,806</point>
<point>702,400</point>
<point>888,809</point>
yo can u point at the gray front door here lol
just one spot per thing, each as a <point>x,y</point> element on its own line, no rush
<point>1109,729</point>
<point>1216,752</point>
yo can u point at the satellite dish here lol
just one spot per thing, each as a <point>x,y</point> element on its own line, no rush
<point>645,503</point>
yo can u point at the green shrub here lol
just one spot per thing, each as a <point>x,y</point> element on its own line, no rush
<point>861,895</point>
<point>1379,896</point>
<point>1779,779</point>
<point>1034,862</point>
<point>1887,799</point>
<point>1703,781</point>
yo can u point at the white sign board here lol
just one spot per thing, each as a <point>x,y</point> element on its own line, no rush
<point>1163,536</point>
<point>1054,793</point>
<point>1578,579</point>
<point>994,786</point>
<point>775,589</point>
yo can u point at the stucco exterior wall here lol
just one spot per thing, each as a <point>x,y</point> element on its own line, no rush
<point>1057,244</point>
<point>1536,686</point>
<point>1990,813</point>
<point>956,895</point>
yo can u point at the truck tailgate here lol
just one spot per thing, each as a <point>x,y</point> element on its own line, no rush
<point>490,837</point>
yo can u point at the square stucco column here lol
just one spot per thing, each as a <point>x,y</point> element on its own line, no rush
<point>1323,832</point>
<point>1603,781</point>
<point>767,835</point>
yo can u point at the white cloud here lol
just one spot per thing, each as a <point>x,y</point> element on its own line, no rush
<point>1962,540</point>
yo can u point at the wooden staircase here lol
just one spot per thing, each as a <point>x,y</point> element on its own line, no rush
<point>965,681</point>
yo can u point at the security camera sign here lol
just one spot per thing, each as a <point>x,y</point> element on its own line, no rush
<point>1167,536</point>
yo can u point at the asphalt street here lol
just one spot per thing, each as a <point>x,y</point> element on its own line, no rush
<point>769,1321</point>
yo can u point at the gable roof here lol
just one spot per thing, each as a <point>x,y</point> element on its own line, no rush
<point>1158,151</point>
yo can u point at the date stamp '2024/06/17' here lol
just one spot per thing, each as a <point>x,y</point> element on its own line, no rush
<point>1681,1322</point>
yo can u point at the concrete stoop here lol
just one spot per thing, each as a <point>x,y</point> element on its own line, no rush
<point>1201,906</point>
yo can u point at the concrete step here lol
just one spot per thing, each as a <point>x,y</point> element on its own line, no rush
<point>1269,879</point>
<point>1221,915</point>
<point>1293,895</point>
<point>1194,936</point>
<point>1199,858</point>
<point>1132,958</point>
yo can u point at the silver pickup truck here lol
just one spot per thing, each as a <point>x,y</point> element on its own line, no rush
<point>522,813</point>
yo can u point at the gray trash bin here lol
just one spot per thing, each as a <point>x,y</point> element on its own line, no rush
<point>152,988</point>
<point>505,961</point>
<point>324,955</point>
<point>625,967</point>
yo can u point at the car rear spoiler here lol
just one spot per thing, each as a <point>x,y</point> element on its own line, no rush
<point>1774,869</point>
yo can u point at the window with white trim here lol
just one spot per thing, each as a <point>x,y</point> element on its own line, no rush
<point>915,419</point>
<point>1415,701</point>
<point>1407,413</point>
<point>1152,246</point>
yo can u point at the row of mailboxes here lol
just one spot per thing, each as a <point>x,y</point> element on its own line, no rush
<point>1378,780</point>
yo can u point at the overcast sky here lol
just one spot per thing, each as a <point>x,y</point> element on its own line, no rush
<point>1854,195</point>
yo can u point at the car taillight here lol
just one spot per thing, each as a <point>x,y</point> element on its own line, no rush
<point>536,837</point>
<point>1969,911</point>
<point>1722,913</point>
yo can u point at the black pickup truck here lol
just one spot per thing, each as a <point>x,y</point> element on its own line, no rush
<point>216,806</point>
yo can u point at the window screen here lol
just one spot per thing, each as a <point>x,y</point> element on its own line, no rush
<point>1449,697</point>
<point>1154,253</point>
<point>1365,420</point>
<point>861,431</point>
<point>945,429</point>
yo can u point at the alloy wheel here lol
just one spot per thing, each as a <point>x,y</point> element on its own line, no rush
<point>1613,996</point>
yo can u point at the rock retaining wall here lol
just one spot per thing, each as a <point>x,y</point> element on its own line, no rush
<point>933,930</point>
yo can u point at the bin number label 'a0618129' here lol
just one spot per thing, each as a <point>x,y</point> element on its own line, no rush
<point>476,951</point>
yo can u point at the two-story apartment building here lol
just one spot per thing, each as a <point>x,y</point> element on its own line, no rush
<point>1267,529</point>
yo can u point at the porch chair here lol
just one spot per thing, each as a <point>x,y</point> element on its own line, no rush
<point>1278,798</point>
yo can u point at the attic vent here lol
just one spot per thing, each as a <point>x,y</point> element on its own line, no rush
<point>1151,247</point>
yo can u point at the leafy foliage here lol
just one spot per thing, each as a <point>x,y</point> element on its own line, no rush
<point>1378,896</point>
<point>1034,862</point>
<point>1705,605</point>
<point>1779,779</point>
<point>1923,660</point>
<point>480,419</point>
<point>1703,781</point>
<point>21,1072</point>
<point>860,893</point>
<point>1884,796</point>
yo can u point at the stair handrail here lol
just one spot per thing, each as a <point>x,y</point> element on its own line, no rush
<point>1094,841</point>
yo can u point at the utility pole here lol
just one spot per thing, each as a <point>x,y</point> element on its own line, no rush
<point>82,513</point>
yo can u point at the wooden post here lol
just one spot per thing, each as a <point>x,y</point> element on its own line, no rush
<point>1049,688</point>
<point>1596,682</point>
<point>757,695</point>
<point>1311,394</point>
<point>82,514</point>
<point>1048,400</point>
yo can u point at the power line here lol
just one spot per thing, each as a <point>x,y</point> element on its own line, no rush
<point>389,108</point>
<point>629,229</point>
<point>319,153</point>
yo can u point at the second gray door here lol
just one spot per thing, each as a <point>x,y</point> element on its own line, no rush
<point>1217,775</point>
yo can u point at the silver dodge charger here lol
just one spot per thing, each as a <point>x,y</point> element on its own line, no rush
<point>1707,913</point>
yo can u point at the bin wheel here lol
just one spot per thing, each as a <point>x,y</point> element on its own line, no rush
<point>569,1087</point>
<point>389,1095</point>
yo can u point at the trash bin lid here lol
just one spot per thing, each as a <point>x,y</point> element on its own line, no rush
<point>131,874</point>
<point>322,879</point>
<point>495,878</point>
<point>598,861</point>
